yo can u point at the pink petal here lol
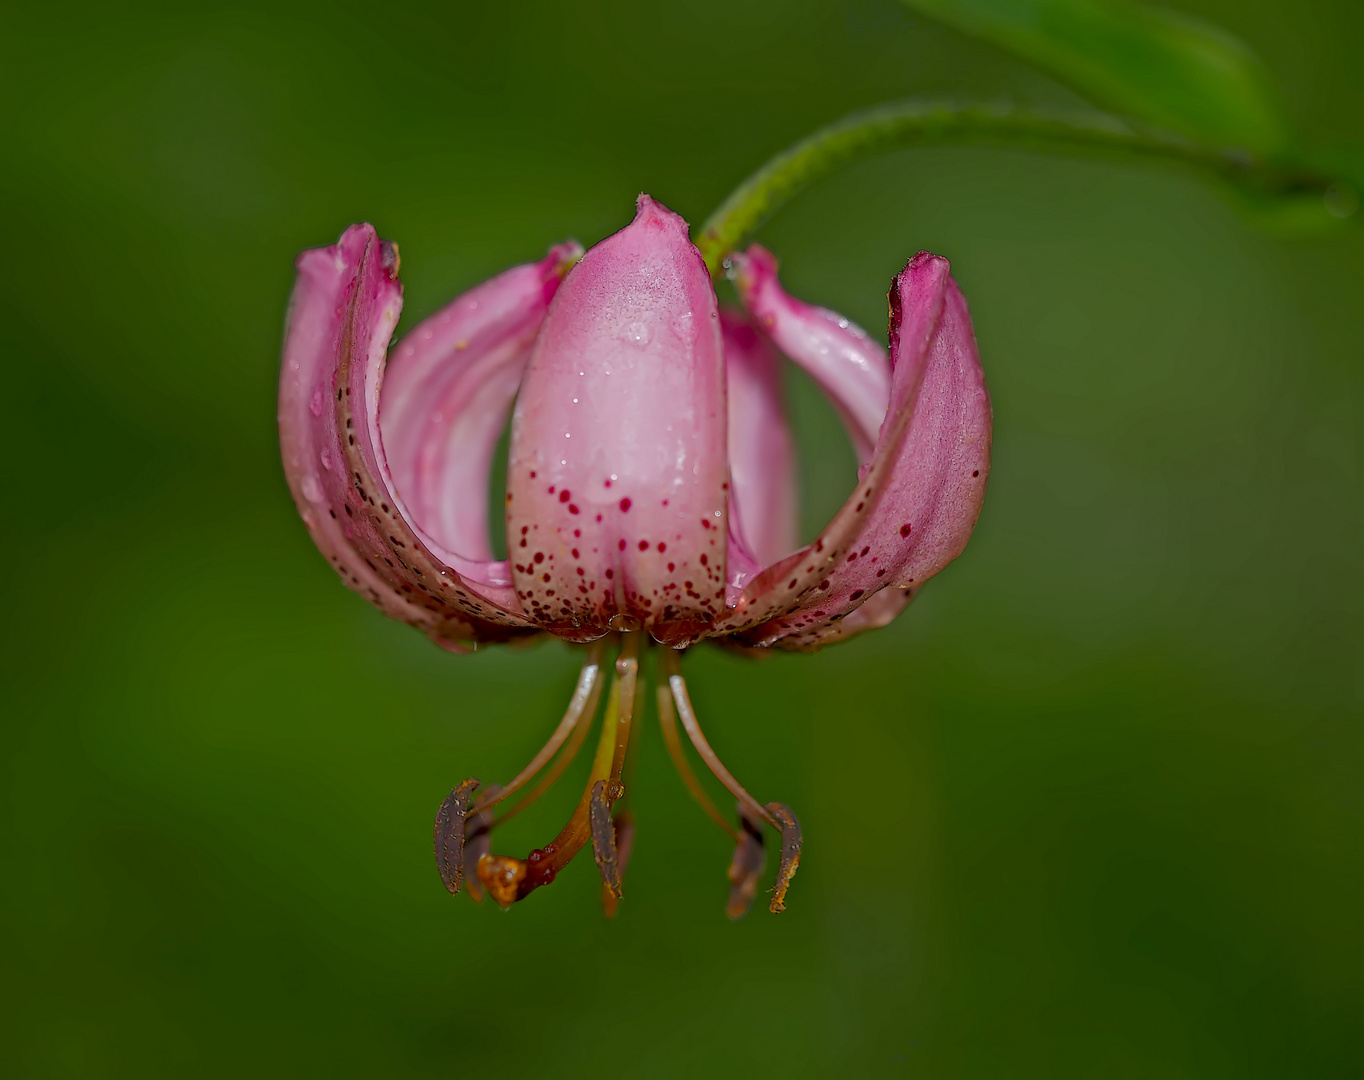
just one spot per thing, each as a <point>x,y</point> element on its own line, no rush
<point>762,461</point>
<point>914,509</point>
<point>341,316</point>
<point>616,482</point>
<point>877,610</point>
<point>849,366</point>
<point>446,396</point>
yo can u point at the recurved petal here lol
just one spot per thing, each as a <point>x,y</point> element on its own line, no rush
<point>762,460</point>
<point>848,365</point>
<point>919,517</point>
<point>445,399</point>
<point>342,313</point>
<point>879,609</point>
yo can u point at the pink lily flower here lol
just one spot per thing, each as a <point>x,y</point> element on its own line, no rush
<point>650,491</point>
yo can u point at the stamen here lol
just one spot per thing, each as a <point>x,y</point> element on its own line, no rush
<point>624,825</point>
<point>449,834</point>
<point>509,879</point>
<point>747,866</point>
<point>667,720</point>
<point>605,793</point>
<point>791,840</point>
<point>678,686</point>
<point>777,815</point>
<point>604,839</point>
<point>562,762</point>
<point>622,832</point>
<point>583,703</point>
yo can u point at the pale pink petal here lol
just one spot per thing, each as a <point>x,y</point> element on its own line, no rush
<point>762,459</point>
<point>342,314</point>
<point>848,365</point>
<point>919,518</point>
<point>445,399</point>
<point>616,481</point>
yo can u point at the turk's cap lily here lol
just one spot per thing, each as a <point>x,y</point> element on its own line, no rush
<point>651,490</point>
<point>651,480</point>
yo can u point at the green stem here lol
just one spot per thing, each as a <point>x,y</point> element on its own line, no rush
<point>920,123</point>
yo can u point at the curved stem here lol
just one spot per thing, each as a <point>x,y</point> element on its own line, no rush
<point>922,123</point>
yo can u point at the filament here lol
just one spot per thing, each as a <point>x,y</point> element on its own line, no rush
<point>582,704</point>
<point>667,720</point>
<point>678,686</point>
<point>511,879</point>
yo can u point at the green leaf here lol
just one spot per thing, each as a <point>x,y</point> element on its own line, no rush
<point>1155,66</point>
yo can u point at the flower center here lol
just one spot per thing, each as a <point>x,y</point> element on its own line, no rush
<point>464,823</point>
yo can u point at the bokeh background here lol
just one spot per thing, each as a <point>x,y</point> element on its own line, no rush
<point>1092,807</point>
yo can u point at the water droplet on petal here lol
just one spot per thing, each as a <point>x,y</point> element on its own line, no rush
<point>316,404</point>
<point>312,490</point>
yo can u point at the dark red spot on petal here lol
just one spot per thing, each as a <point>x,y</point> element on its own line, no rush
<point>644,545</point>
<point>625,505</point>
<point>563,495</point>
<point>856,593</point>
<point>904,530</point>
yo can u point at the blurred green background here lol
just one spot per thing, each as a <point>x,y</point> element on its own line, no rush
<point>1092,807</point>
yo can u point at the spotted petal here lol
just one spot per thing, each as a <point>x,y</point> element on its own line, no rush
<point>919,496</point>
<point>617,472</point>
<point>342,314</point>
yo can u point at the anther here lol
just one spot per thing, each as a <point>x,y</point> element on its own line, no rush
<point>790,854</point>
<point>604,839</point>
<point>449,834</point>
